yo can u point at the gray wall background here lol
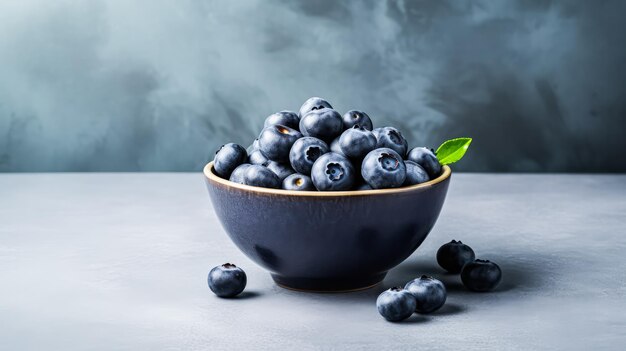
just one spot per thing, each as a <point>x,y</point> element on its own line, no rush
<point>159,85</point>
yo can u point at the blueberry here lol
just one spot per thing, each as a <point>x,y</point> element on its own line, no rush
<point>237,175</point>
<point>257,175</point>
<point>415,174</point>
<point>227,158</point>
<point>332,172</point>
<point>383,168</point>
<point>454,255</point>
<point>334,146</point>
<point>257,158</point>
<point>227,280</point>
<point>429,293</point>
<point>282,170</point>
<point>354,117</point>
<point>304,152</point>
<point>356,142</point>
<point>253,147</point>
<point>298,182</point>
<point>312,104</point>
<point>395,304</point>
<point>275,142</point>
<point>325,124</point>
<point>426,158</point>
<point>391,138</point>
<point>481,275</point>
<point>284,118</point>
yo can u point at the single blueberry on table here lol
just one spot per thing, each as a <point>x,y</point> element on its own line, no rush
<point>333,172</point>
<point>454,255</point>
<point>282,170</point>
<point>426,158</point>
<point>257,158</point>
<point>304,152</point>
<point>383,168</point>
<point>227,158</point>
<point>430,294</point>
<point>314,103</point>
<point>391,138</point>
<point>356,142</point>
<point>227,280</point>
<point>396,304</point>
<point>299,182</point>
<point>481,275</point>
<point>354,117</point>
<point>415,174</point>
<point>275,142</point>
<point>257,175</point>
<point>237,175</point>
<point>284,118</point>
<point>325,124</point>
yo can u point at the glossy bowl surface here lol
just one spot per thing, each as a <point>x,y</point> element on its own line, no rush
<point>327,241</point>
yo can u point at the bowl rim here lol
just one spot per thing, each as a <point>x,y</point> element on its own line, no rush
<point>211,176</point>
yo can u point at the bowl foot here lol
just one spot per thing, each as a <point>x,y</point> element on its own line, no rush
<point>329,285</point>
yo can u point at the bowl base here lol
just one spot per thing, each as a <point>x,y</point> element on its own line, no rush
<point>329,285</point>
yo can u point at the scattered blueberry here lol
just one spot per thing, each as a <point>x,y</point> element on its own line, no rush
<point>304,152</point>
<point>282,170</point>
<point>356,142</point>
<point>395,304</point>
<point>430,294</point>
<point>298,182</point>
<point>332,172</point>
<point>237,175</point>
<point>426,158</point>
<point>312,104</point>
<point>257,158</point>
<point>227,280</point>
<point>454,255</point>
<point>325,124</point>
<point>257,175</point>
<point>383,168</point>
<point>227,158</point>
<point>275,142</point>
<point>481,275</point>
<point>354,117</point>
<point>284,118</point>
<point>390,137</point>
<point>415,174</point>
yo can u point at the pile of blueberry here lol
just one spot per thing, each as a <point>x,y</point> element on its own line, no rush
<point>319,149</point>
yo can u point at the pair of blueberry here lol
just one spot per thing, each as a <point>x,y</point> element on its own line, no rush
<point>422,295</point>
<point>477,275</point>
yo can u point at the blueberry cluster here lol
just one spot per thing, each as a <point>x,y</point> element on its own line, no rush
<point>319,149</point>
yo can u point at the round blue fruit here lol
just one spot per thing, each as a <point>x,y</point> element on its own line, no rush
<point>354,117</point>
<point>429,293</point>
<point>283,118</point>
<point>454,255</point>
<point>304,152</point>
<point>324,124</point>
<point>299,182</point>
<point>238,174</point>
<point>390,137</point>
<point>426,158</point>
<point>275,142</point>
<point>332,172</point>
<point>282,170</point>
<point>227,280</point>
<point>257,175</point>
<point>396,304</point>
<point>415,174</point>
<point>314,103</point>
<point>257,158</point>
<point>481,275</point>
<point>334,146</point>
<point>357,142</point>
<point>227,158</point>
<point>383,168</point>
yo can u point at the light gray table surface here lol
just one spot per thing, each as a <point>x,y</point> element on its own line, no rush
<point>119,262</point>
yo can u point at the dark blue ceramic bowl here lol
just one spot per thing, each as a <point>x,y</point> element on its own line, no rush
<point>327,241</point>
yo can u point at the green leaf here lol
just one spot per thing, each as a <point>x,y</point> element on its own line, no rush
<point>452,150</point>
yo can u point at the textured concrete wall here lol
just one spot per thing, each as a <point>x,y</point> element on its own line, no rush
<point>159,85</point>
